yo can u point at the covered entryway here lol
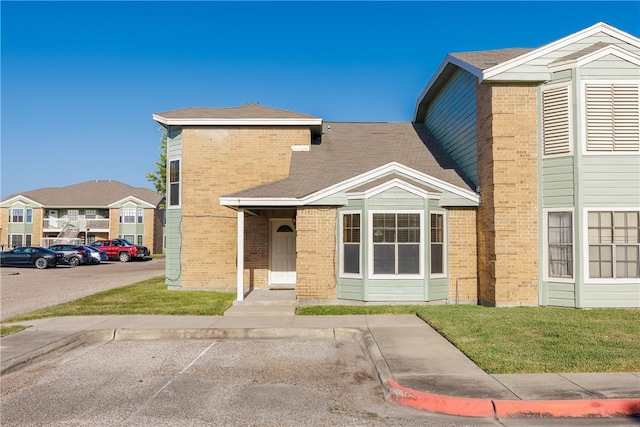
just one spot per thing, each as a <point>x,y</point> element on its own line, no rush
<point>282,271</point>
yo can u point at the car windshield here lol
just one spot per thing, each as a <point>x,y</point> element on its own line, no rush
<point>126,242</point>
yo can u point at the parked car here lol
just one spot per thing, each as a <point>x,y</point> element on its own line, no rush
<point>121,249</point>
<point>97,254</point>
<point>74,255</point>
<point>31,256</point>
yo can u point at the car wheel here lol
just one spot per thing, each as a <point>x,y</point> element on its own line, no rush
<point>41,263</point>
<point>74,261</point>
<point>124,257</point>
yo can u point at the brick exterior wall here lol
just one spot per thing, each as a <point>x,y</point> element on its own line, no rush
<point>316,246</point>
<point>38,224</point>
<point>463,254</point>
<point>152,237</point>
<point>114,218</point>
<point>217,161</point>
<point>507,176</point>
<point>4,224</point>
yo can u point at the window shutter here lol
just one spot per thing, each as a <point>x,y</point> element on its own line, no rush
<point>555,120</point>
<point>612,115</point>
<point>626,117</point>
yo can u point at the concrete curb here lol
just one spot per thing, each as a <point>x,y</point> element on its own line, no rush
<point>65,344</point>
<point>472,407</point>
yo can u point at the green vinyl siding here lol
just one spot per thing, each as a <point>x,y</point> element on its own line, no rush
<point>610,295</point>
<point>173,250</point>
<point>173,228</point>
<point>609,67</point>
<point>557,182</point>
<point>451,118</point>
<point>561,294</point>
<point>610,181</point>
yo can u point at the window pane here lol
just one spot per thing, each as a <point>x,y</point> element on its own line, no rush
<point>408,259</point>
<point>27,240</point>
<point>174,183</point>
<point>352,258</point>
<point>384,259</point>
<point>29,217</point>
<point>174,194</point>
<point>437,260</point>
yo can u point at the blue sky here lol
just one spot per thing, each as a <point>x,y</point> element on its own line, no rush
<point>81,80</point>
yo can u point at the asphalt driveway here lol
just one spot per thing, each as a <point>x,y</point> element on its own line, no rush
<point>26,289</point>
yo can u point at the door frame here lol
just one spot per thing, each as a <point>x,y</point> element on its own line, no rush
<point>274,224</point>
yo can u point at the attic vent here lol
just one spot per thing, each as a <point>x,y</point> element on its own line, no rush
<point>555,121</point>
<point>612,117</point>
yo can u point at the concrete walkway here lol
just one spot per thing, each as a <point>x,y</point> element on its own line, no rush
<point>415,365</point>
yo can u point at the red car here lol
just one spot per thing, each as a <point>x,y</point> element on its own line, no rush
<point>121,249</point>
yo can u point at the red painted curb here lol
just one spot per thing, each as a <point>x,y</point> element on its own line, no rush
<point>473,407</point>
<point>442,404</point>
<point>567,408</point>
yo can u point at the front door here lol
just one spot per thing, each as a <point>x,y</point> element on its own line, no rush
<point>283,253</point>
<point>53,219</point>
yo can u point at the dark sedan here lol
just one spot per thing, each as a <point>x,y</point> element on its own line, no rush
<point>25,256</point>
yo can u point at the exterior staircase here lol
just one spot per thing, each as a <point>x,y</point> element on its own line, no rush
<point>69,231</point>
<point>265,302</point>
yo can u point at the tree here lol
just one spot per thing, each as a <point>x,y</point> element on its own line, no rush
<point>159,176</point>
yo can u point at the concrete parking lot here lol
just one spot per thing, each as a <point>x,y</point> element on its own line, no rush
<point>291,382</point>
<point>27,289</point>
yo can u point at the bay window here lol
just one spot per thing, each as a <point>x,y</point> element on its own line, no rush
<point>396,243</point>
<point>351,237</point>
<point>560,244</point>
<point>614,244</point>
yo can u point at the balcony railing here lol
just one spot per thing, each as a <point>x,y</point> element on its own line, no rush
<point>57,224</point>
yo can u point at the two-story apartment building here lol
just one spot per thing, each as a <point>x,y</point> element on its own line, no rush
<point>516,183</point>
<point>82,213</point>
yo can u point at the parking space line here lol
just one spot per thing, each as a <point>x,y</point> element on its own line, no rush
<point>152,398</point>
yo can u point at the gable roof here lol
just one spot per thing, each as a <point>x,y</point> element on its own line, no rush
<point>241,116</point>
<point>347,151</point>
<point>90,194</point>
<point>491,64</point>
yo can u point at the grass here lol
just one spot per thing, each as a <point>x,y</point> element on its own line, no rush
<point>499,340</point>
<point>146,297</point>
<point>527,339</point>
<point>6,330</point>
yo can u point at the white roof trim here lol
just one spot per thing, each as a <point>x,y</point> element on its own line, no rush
<point>351,183</point>
<point>594,56</point>
<point>131,199</point>
<point>22,199</point>
<point>311,121</point>
<point>394,183</point>
<point>600,27</point>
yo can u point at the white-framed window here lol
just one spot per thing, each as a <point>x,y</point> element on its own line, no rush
<point>174,178</point>
<point>396,244</point>
<point>73,214</point>
<point>558,241</point>
<point>90,214</point>
<point>140,239</point>
<point>29,215</point>
<point>129,238</point>
<point>140,215</point>
<point>613,238</point>
<point>17,215</point>
<point>127,216</point>
<point>351,243</point>
<point>15,240</point>
<point>611,117</point>
<point>28,239</point>
<point>437,244</point>
<point>556,120</point>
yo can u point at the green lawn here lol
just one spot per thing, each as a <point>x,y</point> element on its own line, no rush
<point>146,297</point>
<point>528,339</point>
<point>499,340</point>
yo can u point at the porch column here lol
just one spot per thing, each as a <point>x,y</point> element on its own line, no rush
<point>240,256</point>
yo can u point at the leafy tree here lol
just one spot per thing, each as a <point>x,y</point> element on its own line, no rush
<point>159,176</point>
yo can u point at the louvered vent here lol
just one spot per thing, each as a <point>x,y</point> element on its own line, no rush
<point>613,117</point>
<point>555,120</point>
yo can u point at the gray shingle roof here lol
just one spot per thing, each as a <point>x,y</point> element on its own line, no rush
<point>242,112</point>
<point>94,194</point>
<point>350,149</point>
<point>485,59</point>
